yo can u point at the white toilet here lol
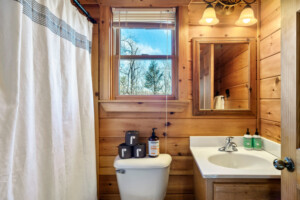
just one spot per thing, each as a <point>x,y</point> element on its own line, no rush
<point>143,178</point>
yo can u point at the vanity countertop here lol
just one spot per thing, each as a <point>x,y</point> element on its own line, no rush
<point>240,164</point>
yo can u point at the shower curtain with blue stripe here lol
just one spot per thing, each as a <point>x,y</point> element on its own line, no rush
<point>47,142</point>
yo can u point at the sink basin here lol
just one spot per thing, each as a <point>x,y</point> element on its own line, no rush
<point>238,161</point>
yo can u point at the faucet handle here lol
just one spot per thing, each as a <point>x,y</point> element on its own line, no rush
<point>229,139</point>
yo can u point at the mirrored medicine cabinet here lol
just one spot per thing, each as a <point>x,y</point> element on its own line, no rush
<point>224,76</point>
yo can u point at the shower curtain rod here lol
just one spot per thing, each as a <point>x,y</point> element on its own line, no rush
<point>85,12</point>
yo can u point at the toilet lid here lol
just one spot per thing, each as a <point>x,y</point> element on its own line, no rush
<point>162,161</point>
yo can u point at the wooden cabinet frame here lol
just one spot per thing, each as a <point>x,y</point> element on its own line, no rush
<point>235,188</point>
<point>252,76</point>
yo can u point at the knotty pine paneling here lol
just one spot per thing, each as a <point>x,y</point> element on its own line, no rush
<point>270,24</point>
<point>183,64</point>
<point>176,128</point>
<point>240,92</point>
<point>181,125</point>
<point>268,7</point>
<point>270,130</point>
<point>219,31</point>
<point>236,63</point>
<point>168,197</point>
<point>180,185</point>
<point>270,88</point>
<point>175,146</point>
<point>270,45</point>
<point>236,78</point>
<point>93,10</point>
<point>270,110</point>
<point>108,184</point>
<point>88,2</point>
<point>236,104</point>
<point>270,66</point>
<point>270,70</point>
<point>110,197</point>
<point>179,197</point>
<point>187,114</point>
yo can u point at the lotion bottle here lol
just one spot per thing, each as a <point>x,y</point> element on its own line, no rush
<point>153,144</point>
<point>257,143</point>
<point>247,140</point>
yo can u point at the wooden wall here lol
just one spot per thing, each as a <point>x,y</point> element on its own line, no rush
<point>232,72</point>
<point>206,76</point>
<point>181,125</point>
<point>270,79</point>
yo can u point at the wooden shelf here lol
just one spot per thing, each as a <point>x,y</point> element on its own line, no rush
<point>143,105</point>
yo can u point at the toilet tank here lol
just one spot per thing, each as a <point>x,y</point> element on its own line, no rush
<point>143,178</point>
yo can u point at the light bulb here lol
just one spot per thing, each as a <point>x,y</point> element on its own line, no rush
<point>209,20</point>
<point>247,17</point>
<point>246,21</point>
<point>209,16</point>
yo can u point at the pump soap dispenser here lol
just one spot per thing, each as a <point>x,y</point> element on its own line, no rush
<point>247,140</point>
<point>153,144</point>
<point>257,143</point>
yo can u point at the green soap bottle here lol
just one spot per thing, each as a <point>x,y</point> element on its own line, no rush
<point>257,142</point>
<point>247,140</point>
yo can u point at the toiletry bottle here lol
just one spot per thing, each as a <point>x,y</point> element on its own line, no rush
<point>257,143</point>
<point>247,140</point>
<point>153,144</point>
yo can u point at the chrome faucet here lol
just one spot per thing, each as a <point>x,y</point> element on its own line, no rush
<point>229,146</point>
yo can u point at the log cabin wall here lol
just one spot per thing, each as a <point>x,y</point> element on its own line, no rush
<point>206,56</point>
<point>270,79</point>
<point>182,125</point>
<point>232,73</point>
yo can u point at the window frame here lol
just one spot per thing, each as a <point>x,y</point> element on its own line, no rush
<point>116,50</point>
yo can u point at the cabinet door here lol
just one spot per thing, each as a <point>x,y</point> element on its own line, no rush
<point>245,191</point>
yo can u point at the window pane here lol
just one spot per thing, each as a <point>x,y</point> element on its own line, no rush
<point>145,77</point>
<point>146,41</point>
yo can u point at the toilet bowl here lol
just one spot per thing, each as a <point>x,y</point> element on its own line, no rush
<point>143,178</point>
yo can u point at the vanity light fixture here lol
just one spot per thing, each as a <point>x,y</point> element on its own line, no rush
<point>226,7</point>
<point>209,16</point>
<point>247,17</point>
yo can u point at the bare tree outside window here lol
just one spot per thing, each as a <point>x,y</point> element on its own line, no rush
<point>129,80</point>
<point>142,76</point>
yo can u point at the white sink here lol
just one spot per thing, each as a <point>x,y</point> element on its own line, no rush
<point>239,164</point>
<point>238,161</point>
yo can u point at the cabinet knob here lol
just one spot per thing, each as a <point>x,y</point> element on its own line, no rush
<point>285,163</point>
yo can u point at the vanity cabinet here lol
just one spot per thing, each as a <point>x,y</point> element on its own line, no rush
<point>235,188</point>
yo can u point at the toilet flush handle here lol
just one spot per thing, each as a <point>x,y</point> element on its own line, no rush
<point>121,171</point>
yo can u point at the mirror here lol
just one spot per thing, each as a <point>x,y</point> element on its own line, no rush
<point>224,77</point>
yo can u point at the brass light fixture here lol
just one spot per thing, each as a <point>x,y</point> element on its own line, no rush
<point>247,17</point>
<point>209,16</point>
<point>226,7</point>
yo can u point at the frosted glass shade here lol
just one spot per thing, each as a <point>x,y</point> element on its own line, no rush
<point>209,16</point>
<point>247,17</point>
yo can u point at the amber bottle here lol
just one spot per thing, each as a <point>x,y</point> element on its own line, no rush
<point>153,145</point>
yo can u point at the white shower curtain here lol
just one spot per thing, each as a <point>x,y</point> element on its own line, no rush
<point>47,142</point>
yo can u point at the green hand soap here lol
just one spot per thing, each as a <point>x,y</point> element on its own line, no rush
<point>257,142</point>
<point>247,140</point>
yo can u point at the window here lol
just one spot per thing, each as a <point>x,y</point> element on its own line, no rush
<point>144,53</point>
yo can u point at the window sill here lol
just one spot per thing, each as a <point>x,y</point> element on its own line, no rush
<point>153,106</point>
